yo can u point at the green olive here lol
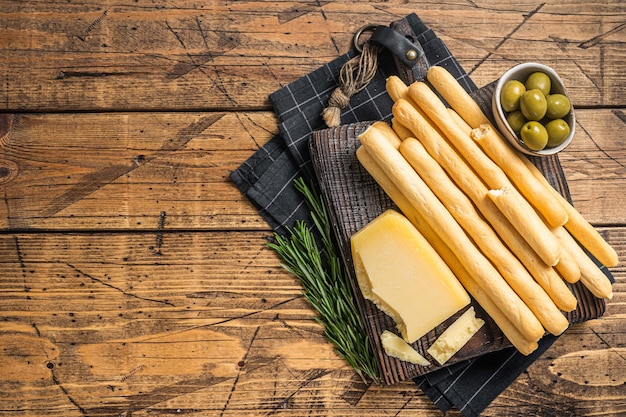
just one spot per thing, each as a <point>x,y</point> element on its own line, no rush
<point>540,81</point>
<point>558,130</point>
<point>533,104</point>
<point>534,135</point>
<point>510,94</point>
<point>558,106</point>
<point>516,120</point>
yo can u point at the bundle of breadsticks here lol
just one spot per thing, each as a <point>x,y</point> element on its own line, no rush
<point>511,239</point>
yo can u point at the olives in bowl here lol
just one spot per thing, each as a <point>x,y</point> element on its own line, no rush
<point>532,109</point>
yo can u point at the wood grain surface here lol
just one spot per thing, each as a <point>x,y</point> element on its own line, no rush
<point>134,276</point>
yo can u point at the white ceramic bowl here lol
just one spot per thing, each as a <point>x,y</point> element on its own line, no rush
<point>521,72</point>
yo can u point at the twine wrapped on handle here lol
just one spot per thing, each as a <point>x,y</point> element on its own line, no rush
<point>354,75</point>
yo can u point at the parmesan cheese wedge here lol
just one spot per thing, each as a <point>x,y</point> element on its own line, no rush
<point>398,270</point>
<point>455,336</point>
<point>396,346</point>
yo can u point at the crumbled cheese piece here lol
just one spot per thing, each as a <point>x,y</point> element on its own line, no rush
<point>395,346</point>
<point>455,336</point>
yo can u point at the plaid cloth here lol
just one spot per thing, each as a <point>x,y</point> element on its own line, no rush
<point>267,177</point>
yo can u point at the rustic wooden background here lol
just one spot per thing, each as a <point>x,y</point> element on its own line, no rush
<point>134,277</point>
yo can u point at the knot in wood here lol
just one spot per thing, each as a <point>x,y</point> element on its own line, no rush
<point>8,171</point>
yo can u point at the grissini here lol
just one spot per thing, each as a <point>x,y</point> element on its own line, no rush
<point>401,130</point>
<point>446,85</point>
<point>481,295</point>
<point>396,88</point>
<point>498,150</point>
<point>434,212</point>
<point>576,224</point>
<point>459,121</point>
<point>590,275</point>
<point>547,246</point>
<point>512,164</point>
<point>464,212</point>
<point>567,266</point>
<point>579,227</point>
<point>473,184</point>
<point>545,275</point>
<point>505,199</point>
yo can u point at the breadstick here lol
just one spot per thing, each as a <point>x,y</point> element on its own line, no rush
<point>544,274</point>
<point>468,180</point>
<point>476,190</point>
<point>495,146</point>
<point>576,224</point>
<point>557,289</point>
<point>579,227</point>
<point>590,275</point>
<point>522,221</point>
<point>456,96</point>
<point>462,209</point>
<point>567,266</point>
<point>401,130</point>
<point>516,338</point>
<point>459,121</point>
<point>511,162</point>
<point>547,278</point>
<point>396,88</point>
<point>540,237</point>
<point>440,220</point>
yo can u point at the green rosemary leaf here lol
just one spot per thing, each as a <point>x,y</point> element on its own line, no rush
<point>325,283</point>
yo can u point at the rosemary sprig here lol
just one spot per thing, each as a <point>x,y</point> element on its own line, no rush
<point>325,283</point>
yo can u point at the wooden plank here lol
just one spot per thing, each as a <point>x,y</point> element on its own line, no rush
<point>207,323</point>
<point>591,164</point>
<point>135,277</point>
<point>128,170</point>
<point>188,56</point>
<point>121,171</point>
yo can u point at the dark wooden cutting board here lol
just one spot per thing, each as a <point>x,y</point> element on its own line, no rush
<point>354,199</point>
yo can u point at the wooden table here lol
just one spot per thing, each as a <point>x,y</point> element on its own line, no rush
<point>134,276</point>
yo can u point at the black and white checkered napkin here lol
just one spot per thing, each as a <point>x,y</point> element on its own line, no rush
<point>267,177</point>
